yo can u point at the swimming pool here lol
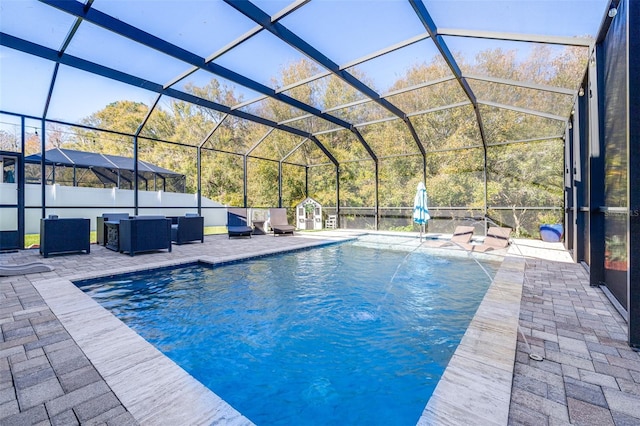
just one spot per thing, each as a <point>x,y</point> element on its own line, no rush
<point>321,336</point>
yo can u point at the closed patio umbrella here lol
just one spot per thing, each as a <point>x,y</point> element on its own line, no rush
<point>420,210</point>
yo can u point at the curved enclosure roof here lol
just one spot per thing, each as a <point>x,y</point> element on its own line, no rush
<point>300,73</point>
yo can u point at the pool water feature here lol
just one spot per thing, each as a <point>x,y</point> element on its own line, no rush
<point>312,337</point>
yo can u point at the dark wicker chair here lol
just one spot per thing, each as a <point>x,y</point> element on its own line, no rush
<point>144,233</point>
<point>237,223</point>
<point>64,235</point>
<point>187,228</point>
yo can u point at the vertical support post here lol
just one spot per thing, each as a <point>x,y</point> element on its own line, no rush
<point>22,178</point>
<point>279,183</point>
<point>569,184</point>
<point>633,190</point>
<point>199,177</point>
<point>596,168</point>
<point>424,167</point>
<point>580,150</point>
<point>135,175</point>
<point>486,189</point>
<point>43,144</point>
<point>377,207</point>
<point>306,181</point>
<point>244,184</point>
<point>43,172</point>
<point>338,196</point>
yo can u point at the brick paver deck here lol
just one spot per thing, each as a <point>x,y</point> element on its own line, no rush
<point>589,375</point>
<point>44,377</point>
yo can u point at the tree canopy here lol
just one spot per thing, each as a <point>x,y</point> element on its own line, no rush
<point>523,154</point>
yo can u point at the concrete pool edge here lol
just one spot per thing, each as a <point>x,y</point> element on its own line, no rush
<point>137,386</point>
<point>210,260</point>
<point>476,385</point>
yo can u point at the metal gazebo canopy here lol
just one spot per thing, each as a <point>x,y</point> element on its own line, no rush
<point>111,170</point>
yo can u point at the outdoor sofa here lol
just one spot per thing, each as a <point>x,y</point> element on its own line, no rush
<point>144,233</point>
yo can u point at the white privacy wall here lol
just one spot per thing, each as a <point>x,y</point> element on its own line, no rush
<point>101,201</point>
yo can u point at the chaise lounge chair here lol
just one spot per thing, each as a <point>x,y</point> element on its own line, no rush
<point>461,236</point>
<point>237,223</point>
<point>279,222</point>
<point>497,238</point>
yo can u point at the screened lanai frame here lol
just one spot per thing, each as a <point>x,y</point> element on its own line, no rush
<point>309,122</point>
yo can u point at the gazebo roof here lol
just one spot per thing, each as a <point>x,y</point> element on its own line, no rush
<point>88,160</point>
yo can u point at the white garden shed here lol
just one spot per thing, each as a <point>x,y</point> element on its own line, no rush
<point>309,214</point>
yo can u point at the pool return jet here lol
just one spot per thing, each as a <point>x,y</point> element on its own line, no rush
<point>421,216</point>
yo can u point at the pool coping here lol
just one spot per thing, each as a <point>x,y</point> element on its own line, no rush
<point>475,385</point>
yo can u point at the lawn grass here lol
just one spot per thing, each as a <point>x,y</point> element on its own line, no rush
<point>215,230</point>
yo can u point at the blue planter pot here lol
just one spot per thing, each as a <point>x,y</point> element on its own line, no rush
<point>551,233</point>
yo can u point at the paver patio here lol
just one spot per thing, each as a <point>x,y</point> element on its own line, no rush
<point>589,374</point>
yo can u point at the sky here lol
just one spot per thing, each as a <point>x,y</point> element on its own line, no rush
<point>342,30</point>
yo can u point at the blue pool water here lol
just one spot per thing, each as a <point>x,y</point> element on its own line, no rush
<point>315,337</point>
